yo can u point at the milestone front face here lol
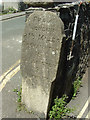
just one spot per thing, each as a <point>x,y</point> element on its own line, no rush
<point>40,56</point>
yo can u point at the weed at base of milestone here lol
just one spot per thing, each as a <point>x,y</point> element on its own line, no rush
<point>76,86</point>
<point>59,110</point>
<point>20,105</point>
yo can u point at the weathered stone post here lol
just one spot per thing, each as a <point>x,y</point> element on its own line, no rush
<point>40,56</point>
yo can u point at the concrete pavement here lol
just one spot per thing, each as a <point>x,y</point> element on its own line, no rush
<point>9,16</point>
<point>9,100</point>
<point>82,100</point>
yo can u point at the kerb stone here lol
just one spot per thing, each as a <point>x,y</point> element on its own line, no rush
<point>40,55</point>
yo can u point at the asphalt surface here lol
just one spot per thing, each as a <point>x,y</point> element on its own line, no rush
<point>12,31</point>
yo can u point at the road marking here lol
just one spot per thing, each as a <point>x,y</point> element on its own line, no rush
<point>88,115</point>
<point>12,67</point>
<point>8,77</point>
<point>84,108</point>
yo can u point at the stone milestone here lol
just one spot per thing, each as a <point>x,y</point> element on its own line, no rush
<point>41,46</point>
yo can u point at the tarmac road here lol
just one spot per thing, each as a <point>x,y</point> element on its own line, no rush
<point>12,31</point>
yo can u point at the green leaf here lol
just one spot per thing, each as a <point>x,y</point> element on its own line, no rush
<point>58,109</point>
<point>15,90</point>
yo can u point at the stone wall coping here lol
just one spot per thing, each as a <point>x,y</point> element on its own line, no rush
<point>57,7</point>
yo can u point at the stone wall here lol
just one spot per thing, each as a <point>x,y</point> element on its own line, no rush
<point>76,65</point>
<point>7,5</point>
<point>19,6</point>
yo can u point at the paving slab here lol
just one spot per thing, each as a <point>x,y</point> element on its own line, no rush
<point>83,94</point>
<point>9,16</point>
<point>9,100</point>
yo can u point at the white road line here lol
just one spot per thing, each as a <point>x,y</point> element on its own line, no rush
<point>2,76</point>
<point>88,115</point>
<point>84,108</point>
<point>8,77</point>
